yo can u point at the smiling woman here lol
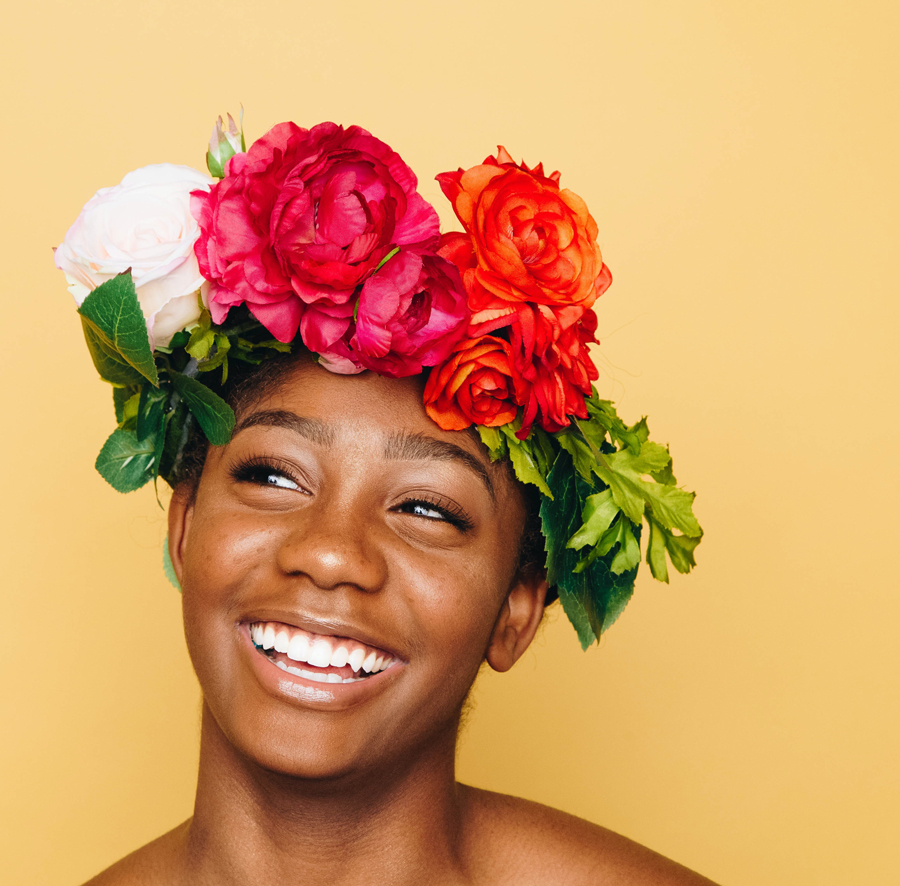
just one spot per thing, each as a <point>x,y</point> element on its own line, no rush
<point>374,503</point>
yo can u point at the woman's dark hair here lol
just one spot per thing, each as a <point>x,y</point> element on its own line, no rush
<point>248,384</point>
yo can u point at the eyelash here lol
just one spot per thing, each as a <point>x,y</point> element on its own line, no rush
<point>258,470</point>
<point>452,513</point>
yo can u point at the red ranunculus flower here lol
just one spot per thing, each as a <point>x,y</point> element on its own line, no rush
<point>475,385</point>
<point>532,241</point>
<point>554,366</point>
<point>412,312</point>
<point>302,219</point>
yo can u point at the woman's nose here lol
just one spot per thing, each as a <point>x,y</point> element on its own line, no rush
<point>333,547</point>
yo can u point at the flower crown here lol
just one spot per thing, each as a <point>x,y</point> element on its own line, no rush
<point>319,236</point>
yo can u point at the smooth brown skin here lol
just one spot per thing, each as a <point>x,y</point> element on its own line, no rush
<point>364,794</point>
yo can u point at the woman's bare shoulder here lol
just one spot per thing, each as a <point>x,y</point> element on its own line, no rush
<point>518,841</point>
<point>153,864</point>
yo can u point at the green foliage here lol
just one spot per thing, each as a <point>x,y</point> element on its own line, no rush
<point>213,414</point>
<point>601,480</point>
<point>594,595</point>
<point>125,462</point>
<point>116,333</point>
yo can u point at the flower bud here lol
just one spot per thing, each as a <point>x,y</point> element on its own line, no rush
<point>224,144</point>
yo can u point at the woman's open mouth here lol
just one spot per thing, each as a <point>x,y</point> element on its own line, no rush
<point>318,657</point>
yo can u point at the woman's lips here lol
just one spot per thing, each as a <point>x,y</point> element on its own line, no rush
<point>319,658</point>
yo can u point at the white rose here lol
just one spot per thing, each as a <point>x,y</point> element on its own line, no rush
<point>143,223</point>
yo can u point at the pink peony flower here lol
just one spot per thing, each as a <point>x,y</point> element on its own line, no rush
<point>302,219</point>
<point>411,314</point>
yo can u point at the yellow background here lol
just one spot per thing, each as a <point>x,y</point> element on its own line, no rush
<point>741,162</point>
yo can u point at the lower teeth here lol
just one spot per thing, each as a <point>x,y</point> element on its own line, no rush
<point>318,678</point>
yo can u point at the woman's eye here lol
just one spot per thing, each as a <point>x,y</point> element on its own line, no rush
<point>423,510</point>
<point>444,513</point>
<point>264,475</point>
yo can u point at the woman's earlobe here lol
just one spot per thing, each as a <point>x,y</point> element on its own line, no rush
<point>181,511</point>
<point>518,621</point>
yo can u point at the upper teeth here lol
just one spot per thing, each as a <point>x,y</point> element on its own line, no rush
<point>318,650</point>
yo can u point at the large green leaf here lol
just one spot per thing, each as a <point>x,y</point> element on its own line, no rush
<point>125,462</point>
<point>624,473</point>
<point>109,363</point>
<point>114,315</point>
<point>592,596</point>
<point>213,414</point>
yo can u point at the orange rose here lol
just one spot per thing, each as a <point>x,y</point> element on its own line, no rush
<point>475,384</point>
<point>532,241</point>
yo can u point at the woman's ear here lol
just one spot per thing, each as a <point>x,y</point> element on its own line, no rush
<point>181,511</point>
<point>518,620</point>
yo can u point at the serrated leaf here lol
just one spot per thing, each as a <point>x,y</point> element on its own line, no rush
<point>583,456</point>
<point>108,362</point>
<point>493,441</point>
<point>622,472</point>
<point>213,414</point>
<point>114,315</point>
<point>525,464</point>
<point>599,512</point>
<point>656,552</point>
<point>629,554</point>
<point>680,549</point>
<point>594,596</point>
<point>125,462</point>
<point>169,568</point>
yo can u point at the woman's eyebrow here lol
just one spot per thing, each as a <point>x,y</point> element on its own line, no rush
<point>316,431</point>
<point>416,446</point>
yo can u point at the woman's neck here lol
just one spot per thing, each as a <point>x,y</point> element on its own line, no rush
<point>254,826</point>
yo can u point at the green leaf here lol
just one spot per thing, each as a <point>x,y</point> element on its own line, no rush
<point>213,414</point>
<point>629,554</point>
<point>129,410</point>
<point>598,514</point>
<point>219,355</point>
<point>493,440</point>
<point>168,568</point>
<point>202,338</point>
<point>108,362</point>
<point>622,472</point>
<point>594,596</point>
<point>150,413</point>
<point>113,313</point>
<point>121,396</point>
<point>680,549</point>
<point>583,455</point>
<point>177,430</point>
<point>125,462</point>
<point>525,464</point>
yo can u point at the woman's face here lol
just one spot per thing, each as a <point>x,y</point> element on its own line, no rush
<point>374,550</point>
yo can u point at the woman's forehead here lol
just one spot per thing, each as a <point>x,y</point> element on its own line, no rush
<point>331,404</point>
